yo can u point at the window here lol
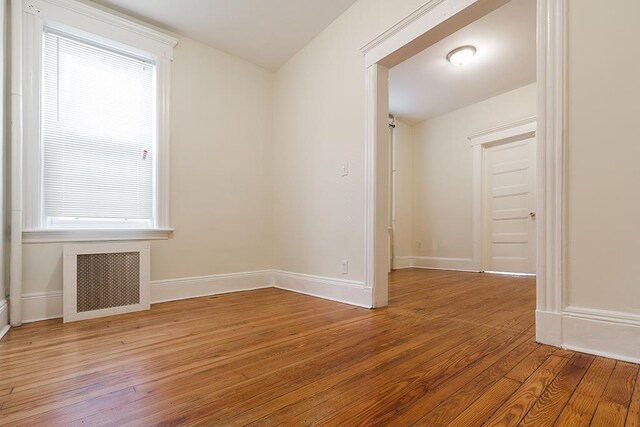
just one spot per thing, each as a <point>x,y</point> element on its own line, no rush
<point>95,142</point>
<point>97,135</point>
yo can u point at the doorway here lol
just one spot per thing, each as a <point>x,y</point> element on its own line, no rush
<point>509,202</point>
<point>431,23</point>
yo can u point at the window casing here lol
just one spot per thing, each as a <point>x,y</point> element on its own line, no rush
<point>94,170</point>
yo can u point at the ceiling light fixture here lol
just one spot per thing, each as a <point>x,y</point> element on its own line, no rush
<point>462,55</point>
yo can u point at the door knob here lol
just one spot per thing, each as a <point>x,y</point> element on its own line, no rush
<point>532,215</point>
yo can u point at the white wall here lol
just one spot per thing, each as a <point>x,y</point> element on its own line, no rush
<point>222,164</point>
<point>221,174</point>
<point>603,176</point>
<point>319,124</point>
<point>442,172</point>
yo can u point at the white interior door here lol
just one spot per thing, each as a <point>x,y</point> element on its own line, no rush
<point>509,201</point>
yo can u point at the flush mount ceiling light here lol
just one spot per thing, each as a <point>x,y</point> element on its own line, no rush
<point>461,55</point>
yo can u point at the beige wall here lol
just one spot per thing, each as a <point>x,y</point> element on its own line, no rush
<point>319,124</point>
<point>403,187</point>
<point>221,174</point>
<point>222,158</point>
<point>603,177</point>
<point>443,169</point>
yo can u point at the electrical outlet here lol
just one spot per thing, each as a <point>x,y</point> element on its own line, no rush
<point>419,245</point>
<point>345,266</point>
<point>345,169</point>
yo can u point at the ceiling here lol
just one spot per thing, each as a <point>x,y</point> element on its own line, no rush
<point>427,86</point>
<point>264,32</point>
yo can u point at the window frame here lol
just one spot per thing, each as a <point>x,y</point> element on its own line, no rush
<point>114,32</point>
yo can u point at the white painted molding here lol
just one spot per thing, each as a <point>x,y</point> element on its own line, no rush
<point>604,316</point>
<point>400,262</point>
<point>549,328</point>
<point>551,115</point>
<point>602,332</point>
<point>15,253</point>
<point>49,305</point>
<point>38,7</point>
<point>340,290</point>
<point>427,17</point>
<point>194,287</point>
<point>514,131</point>
<point>4,318</point>
<point>398,27</point>
<point>377,184</point>
<point>438,263</point>
<point>41,306</point>
<point>97,235</point>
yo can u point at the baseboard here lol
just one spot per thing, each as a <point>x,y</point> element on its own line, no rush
<point>340,290</point>
<point>601,332</point>
<point>549,328</point>
<point>48,305</point>
<point>4,318</point>
<point>401,262</point>
<point>436,263</point>
<point>41,306</point>
<point>194,287</point>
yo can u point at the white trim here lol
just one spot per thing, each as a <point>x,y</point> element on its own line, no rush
<point>602,332</point>
<point>194,287</point>
<point>376,181</point>
<point>401,42</point>
<point>4,318</point>
<point>408,33</point>
<point>514,131</point>
<point>617,317</point>
<point>510,132</point>
<point>81,235</point>
<point>549,327</point>
<point>41,306</point>
<point>164,42</point>
<point>49,305</point>
<point>438,263</point>
<point>340,290</point>
<point>400,262</point>
<point>397,28</point>
<point>551,115</point>
<point>15,254</point>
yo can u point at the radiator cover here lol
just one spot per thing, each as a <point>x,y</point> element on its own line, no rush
<point>105,279</point>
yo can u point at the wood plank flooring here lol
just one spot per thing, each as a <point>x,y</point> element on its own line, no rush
<point>452,349</point>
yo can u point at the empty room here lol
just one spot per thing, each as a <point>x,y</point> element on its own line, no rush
<point>305,212</point>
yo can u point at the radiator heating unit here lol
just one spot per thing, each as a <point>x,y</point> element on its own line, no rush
<point>104,279</point>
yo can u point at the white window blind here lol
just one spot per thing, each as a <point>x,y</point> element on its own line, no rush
<point>98,133</point>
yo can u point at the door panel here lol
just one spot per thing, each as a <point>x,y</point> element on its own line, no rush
<point>509,201</point>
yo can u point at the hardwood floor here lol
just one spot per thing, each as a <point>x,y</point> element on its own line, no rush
<point>452,349</point>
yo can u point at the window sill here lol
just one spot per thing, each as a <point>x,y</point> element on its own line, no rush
<point>85,235</point>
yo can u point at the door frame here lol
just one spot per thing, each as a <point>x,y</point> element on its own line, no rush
<point>504,134</point>
<point>430,23</point>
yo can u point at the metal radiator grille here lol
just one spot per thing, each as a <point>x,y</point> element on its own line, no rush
<point>108,280</point>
